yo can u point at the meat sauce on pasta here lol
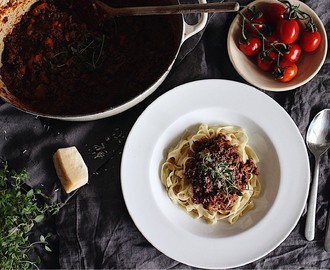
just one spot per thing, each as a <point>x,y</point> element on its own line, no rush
<point>217,174</point>
<point>212,174</point>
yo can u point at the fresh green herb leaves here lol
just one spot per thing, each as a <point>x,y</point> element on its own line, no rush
<point>19,211</point>
<point>219,172</point>
<point>87,52</point>
<point>206,159</point>
<point>90,51</point>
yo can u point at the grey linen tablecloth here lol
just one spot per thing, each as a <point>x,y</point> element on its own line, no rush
<point>94,228</point>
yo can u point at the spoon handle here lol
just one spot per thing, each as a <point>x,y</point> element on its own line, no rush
<point>169,9</point>
<point>311,208</point>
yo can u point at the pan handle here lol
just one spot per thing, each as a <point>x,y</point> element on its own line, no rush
<point>190,30</point>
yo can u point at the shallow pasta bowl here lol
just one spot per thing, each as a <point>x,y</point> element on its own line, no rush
<point>283,164</point>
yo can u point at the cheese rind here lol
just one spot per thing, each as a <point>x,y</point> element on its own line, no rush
<point>70,168</point>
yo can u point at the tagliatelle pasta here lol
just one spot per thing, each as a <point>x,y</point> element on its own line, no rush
<point>212,174</point>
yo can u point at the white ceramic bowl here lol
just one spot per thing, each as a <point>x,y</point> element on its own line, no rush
<point>309,64</point>
<point>283,165</point>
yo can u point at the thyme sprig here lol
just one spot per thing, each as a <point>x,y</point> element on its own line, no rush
<point>90,51</point>
<point>20,210</point>
<point>87,51</point>
<point>220,173</point>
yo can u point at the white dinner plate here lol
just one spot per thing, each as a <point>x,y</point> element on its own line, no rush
<point>284,174</point>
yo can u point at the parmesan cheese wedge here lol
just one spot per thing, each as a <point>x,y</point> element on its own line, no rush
<point>70,168</point>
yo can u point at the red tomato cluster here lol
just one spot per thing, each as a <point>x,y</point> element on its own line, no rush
<point>277,36</point>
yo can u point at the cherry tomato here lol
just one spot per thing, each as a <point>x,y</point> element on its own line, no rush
<point>288,30</point>
<point>257,18</point>
<point>285,71</point>
<point>274,13</point>
<point>250,47</point>
<point>266,60</point>
<point>293,53</point>
<point>309,41</point>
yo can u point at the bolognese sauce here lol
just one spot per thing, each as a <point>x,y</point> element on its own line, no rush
<point>69,58</point>
<point>217,173</point>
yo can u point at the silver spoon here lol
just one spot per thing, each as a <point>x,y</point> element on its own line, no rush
<point>318,141</point>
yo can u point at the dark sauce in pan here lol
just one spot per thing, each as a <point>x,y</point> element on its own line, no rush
<point>69,58</point>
